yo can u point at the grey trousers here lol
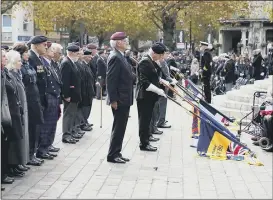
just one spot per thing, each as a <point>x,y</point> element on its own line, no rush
<point>69,118</point>
<point>162,110</point>
<point>86,110</point>
<point>155,117</point>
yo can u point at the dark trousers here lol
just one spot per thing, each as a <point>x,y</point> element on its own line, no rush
<point>34,134</point>
<point>48,128</point>
<point>207,91</point>
<point>118,130</point>
<point>4,156</point>
<point>170,92</point>
<point>69,118</point>
<point>86,110</point>
<point>154,119</point>
<point>162,110</point>
<point>145,111</point>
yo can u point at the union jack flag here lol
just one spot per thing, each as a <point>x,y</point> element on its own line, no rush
<point>236,149</point>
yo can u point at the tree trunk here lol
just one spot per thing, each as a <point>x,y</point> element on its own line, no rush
<point>72,32</point>
<point>101,38</point>
<point>169,27</point>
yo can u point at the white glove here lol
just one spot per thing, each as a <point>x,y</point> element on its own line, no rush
<point>196,73</point>
<point>164,81</point>
<point>153,88</point>
<point>97,83</point>
<point>174,81</point>
<point>174,68</point>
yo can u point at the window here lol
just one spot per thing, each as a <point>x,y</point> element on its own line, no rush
<point>25,25</point>
<point>7,36</point>
<point>6,20</point>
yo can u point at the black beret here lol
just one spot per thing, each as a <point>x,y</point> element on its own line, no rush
<point>87,52</point>
<point>159,48</point>
<point>118,36</point>
<point>38,39</point>
<point>5,47</point>
<point>73,47</point>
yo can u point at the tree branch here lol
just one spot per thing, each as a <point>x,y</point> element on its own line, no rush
<point>156,23</point>
<point>7,5</point>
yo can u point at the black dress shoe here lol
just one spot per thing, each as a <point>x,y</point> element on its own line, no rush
<point>26,167</point>
<point>45,156</point>
<point>21,168</point>
<point>87,128</point>
<point>81,133</point>
<point>2,188</point>
<point>53,149</point>
<point>158,132</point>
<point>90,124</point>
<point>125,159</point>
<point>165,125</point>
<point>7,180</point>
<point>147,148</point>
<point>15,173</point>
<point>34,162</point>
<point>153,139</point>
<point>52,154</point>
<point>116,160</point>
<point>69,140</point>
<point>39,160</point>
<point>76,136</point>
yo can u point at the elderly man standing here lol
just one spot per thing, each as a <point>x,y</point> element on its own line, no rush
<point>119,82</point>
<point>147,92</point>
<point>38,48</point>
<point>71,93</point>
<point>52,98</point>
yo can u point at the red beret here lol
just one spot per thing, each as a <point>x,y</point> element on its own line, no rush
<point>118,36</point>
<point>91,46</point>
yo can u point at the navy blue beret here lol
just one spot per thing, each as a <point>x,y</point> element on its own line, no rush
<point>159,48</point>
<point>38,39</point>
<point>73,47</point>
<point>87,52</point>
<point>5,47</point>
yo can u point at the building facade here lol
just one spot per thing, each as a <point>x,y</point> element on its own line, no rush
<point>16,26</point>
<point>245,34</point>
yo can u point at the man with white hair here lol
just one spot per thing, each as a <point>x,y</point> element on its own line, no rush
<point>71,93</point>
<point>148,91</point>
<point>119,80</point>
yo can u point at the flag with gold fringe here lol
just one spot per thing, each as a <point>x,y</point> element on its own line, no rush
<point>217,142</point>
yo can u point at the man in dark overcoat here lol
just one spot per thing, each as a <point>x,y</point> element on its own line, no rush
<point>119,84</point>
<point>147,92</point>
<point>53,91</point>
<point>38,48</point>
<point>71,93</point>
<point>101,75</point>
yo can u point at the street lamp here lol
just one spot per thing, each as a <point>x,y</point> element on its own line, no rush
<point>209,36</point>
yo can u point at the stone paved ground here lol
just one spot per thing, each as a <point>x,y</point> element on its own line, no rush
<point>81,171</point>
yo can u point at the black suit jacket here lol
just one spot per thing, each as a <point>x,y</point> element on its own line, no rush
<point>42,73</point>
<point>101,68</point>
<point>71,79</point>
<point>119,80</point>
<point>147,73</point>
<point>93,64</point>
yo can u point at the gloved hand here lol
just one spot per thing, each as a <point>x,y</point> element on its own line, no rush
<point>174,81</point>
<point>174,68</point>
<point>153,88</point>
<point>164,81</point>
<point>162,93</point>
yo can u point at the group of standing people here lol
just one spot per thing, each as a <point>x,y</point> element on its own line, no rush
<point>149,74</point>
<point>35,80</point>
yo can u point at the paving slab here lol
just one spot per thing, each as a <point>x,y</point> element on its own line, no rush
<point>173,172</point>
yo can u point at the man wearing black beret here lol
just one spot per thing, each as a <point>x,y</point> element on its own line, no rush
<point>119,81</point>
<point>38,46</point>
<point>71,91</point>
<point>147,92</point>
